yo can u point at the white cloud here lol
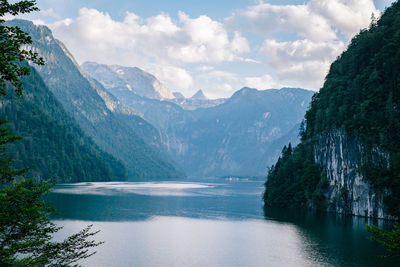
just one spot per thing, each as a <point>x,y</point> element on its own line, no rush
<point>192,40</point>
<point>38,22</point>
<point>301,61</point>
<point>347,16</point>
<point>174,77</point>
<point>188,53</point>
<point>321,29</point>
<point>317,20</point>
<point>204,68</point>
<point>49,13</point>
<point>262,82</point>
<point>266,19</point>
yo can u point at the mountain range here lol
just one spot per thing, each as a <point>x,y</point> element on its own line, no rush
<point>241,135</point>
<point>154,133</point>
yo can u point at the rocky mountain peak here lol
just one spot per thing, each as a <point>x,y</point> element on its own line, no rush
<point>178,95</point>
<point>132,79</point>
<point>199,95</point>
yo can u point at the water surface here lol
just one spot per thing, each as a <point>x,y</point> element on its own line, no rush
<point>208,222</point>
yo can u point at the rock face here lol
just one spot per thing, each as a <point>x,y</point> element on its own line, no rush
<point>123,81</point>
<point>340,156</point>
<point>199,95</point>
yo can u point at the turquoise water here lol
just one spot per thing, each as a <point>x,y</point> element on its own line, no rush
<point>209,222</point>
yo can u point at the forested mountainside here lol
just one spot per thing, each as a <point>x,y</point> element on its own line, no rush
<point>53,144</point>
<point>111,132</point>
<point>349,158</point>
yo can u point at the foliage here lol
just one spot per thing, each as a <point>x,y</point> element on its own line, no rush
<point>26,232</point>
<point>7,172</point>
<point>295,180</point>
<point>11,40</point>
<point>389,239</point>
<point>361,95</point>
<point>53,145</point>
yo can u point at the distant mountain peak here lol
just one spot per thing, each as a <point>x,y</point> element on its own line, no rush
<point>132,79</point>
<point>178,95</point>
<point>199,95</point>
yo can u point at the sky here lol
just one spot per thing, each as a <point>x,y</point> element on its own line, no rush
<point>217,46</point>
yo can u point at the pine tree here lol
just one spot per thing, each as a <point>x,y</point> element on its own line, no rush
<point>26,232</point>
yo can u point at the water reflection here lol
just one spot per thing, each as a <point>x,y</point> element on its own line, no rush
<point>341,240</point>
<point>137,201</point>
<point>208,223</point>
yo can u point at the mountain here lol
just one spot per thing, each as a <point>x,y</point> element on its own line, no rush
<point>53,144</point>
<point>127,83</point>
<point>123,81</point>
<point>198,100</point>
<point>113,131</point>
<point>178,95</point>
<point>239,136</point>
<point>199,95</point>
<point>349,158</point>
<point>235,136</point>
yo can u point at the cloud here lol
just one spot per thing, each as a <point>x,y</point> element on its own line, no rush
<point>302,61</point>
<point>38,22</point>
<point>321,29</point>
<point>347,16</point>
<point>262,82</point>
<point>266,19</point>
<point>49,13</point>
<point>190,40</point>
<point>175,77</point>
<point>317,20</point>
<point>296,42</point>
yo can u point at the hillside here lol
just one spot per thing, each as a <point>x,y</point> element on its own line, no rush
<point>53,144</point>
<point>87,106</point>
<point>350,141</point>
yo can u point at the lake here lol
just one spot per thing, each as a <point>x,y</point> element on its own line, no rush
<point>207,222</point>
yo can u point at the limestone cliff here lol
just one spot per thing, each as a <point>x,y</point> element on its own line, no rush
<point>341,157</point>
<point>348,160</point>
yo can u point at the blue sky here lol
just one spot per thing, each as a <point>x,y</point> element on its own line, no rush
<point>218,46</point>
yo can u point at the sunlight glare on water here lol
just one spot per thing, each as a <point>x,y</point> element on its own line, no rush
<point>207,222</point>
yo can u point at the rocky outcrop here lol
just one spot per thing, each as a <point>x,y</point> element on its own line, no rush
<point>125,82</point>
<point>341,157</point>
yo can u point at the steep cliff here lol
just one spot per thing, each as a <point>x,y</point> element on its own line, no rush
<point>341,157</point>
<point>348,160</point>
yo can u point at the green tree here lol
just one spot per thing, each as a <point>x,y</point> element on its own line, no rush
<point>7,172</point>
<point>390,239</point>
<point>11,40</point>
<point>26,231</point>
